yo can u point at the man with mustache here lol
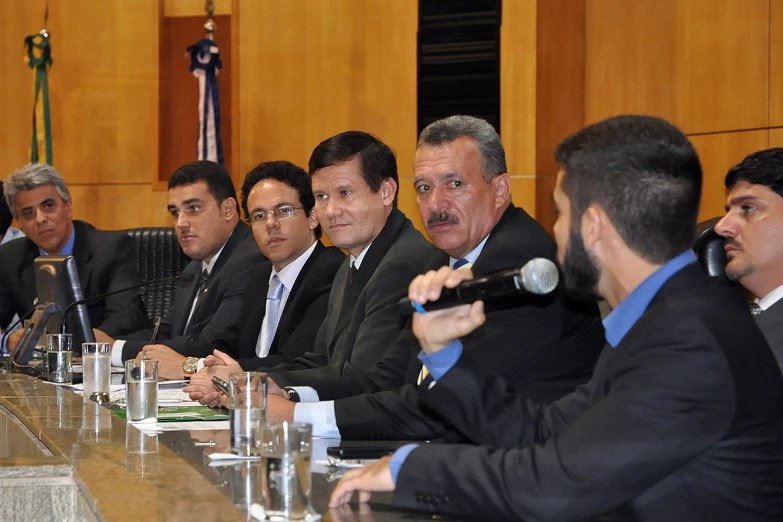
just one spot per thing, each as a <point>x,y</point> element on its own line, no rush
<point>463,194</point>
<point>681,420</point>
<point>41,203</point>
<point>754,243</point>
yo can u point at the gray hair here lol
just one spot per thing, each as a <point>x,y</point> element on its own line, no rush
<point>33,175</point>
<point>447,130</point>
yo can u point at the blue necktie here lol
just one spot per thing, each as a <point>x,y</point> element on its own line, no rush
<point>273,298</point>
<point>460,263</point>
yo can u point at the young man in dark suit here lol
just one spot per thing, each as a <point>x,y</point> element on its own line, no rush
<point>753,228</point>
<point>278,202</point>
<point>208,299</point>
<point>40,201</point>
<point>355,184</point>
<point>681,420</point>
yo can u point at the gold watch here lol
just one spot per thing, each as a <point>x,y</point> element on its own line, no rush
<point>189,366</point>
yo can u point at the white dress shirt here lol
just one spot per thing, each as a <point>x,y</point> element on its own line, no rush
<point>771,298</point>
<point>287,276</point>
<point>321,414</point>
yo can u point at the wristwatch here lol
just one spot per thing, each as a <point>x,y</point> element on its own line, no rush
<point>189,366</point>
<point>293,395</point>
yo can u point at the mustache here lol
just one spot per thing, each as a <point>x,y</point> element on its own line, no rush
<point>441,217</point>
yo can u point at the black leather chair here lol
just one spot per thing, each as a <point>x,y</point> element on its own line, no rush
<point>158,255</point>
<point>709,248</point>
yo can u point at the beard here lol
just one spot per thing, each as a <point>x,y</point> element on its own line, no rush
<point>580,271</point>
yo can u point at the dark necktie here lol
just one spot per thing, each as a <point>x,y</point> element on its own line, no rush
<point>755,309</point>
<point>202,287</point>
<point>459,263</point>
<point>352,272</point>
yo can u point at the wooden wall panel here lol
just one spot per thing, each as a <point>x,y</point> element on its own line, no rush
<point>310,69</point>
<point>702,64</point>
<point>775,137</point>
<point>776,63</point>
<point>718,153</point>
<point>116,206</point>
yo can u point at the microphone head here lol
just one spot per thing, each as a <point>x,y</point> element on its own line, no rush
<point>539,276</point>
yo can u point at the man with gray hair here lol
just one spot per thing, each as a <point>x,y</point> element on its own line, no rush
<point>40,202</point>
<point>464,197</point>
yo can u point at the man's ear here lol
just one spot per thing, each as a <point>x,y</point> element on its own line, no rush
<point>501,185</point>
<point>593,223</point>
<point>229,207</point>
<point>312,220</point>
<point>388,191</point>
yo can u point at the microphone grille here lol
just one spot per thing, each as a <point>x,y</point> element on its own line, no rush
<point>539,276</point>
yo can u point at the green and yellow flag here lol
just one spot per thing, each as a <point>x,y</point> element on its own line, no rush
<point>39,58</point>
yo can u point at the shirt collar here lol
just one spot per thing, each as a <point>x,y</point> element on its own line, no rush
<point>209,266</point>
<point>771,298</point>
<point>630,310</point>
<point>11,234</point>
<point>357,261</point>
<point>67,250</point>
<point>471,256</point>
<point>291,271</point>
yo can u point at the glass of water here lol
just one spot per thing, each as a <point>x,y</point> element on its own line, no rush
<point>59,357</point>
<point>286,462</point>
<point>141,390</point>
<point>247,411</point>
<point>96,358</point>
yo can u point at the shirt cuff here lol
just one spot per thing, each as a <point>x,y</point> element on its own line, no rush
<point>306,393</point>
<point>440,362</point>
<point>320,415</point>
<point>200,365</point>
<point>116,354</point>
<point>398,459</point>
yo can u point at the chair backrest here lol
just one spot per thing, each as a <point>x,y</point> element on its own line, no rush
<point>158,255</point>
<point>709,248</point>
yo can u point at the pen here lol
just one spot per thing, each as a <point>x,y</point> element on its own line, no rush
<point>418,307</point>
<point>220,384</point>
<point>155,331</point>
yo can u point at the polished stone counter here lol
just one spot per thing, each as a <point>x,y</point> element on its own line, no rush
<point>64,459</point>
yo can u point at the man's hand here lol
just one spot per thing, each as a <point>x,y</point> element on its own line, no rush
<point>279,409</point>
<point>375,477</point>
<point>438,328</point>
<point>169,361</point>
<point>13,339</point>
<point>102,337</point>
<point>220,364</point>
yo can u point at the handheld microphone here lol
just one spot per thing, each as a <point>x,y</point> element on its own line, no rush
<point>63,320</point>
<point>539,276</point>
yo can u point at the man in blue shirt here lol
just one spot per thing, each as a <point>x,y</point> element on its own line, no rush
<point>40,201</point>
<point>681,420</point>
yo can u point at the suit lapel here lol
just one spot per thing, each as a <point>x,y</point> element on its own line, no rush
<point>82,254</point>
<point>292,304</point>
<point>182,306</point>
<point>255,317</point>
<point>28,272</point>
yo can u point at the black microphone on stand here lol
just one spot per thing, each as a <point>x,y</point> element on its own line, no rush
<point>539,276</point>
<point>63,321</point>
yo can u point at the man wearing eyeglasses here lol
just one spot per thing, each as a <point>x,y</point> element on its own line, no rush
<point>208,300</point>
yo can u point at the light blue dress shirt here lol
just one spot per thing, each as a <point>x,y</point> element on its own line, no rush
<point>67,249</point>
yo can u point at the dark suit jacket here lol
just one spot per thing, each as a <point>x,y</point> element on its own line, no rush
<point>302,316</point>
<point>363,318</point>
<point>681,422</point>
<point>544,346</point>
<point>218,308</point>
<point>770,322</point>
<point>106,261</point>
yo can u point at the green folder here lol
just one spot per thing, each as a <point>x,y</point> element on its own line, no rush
<point>182,414</point>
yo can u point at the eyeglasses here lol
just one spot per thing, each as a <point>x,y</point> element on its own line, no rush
<point>280,214</point>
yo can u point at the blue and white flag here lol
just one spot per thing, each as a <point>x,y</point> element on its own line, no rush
<point>205,64</point>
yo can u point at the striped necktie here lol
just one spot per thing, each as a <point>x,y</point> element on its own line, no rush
<point>273,298</point>
<point>459,263</point>
<point>755,309</point>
